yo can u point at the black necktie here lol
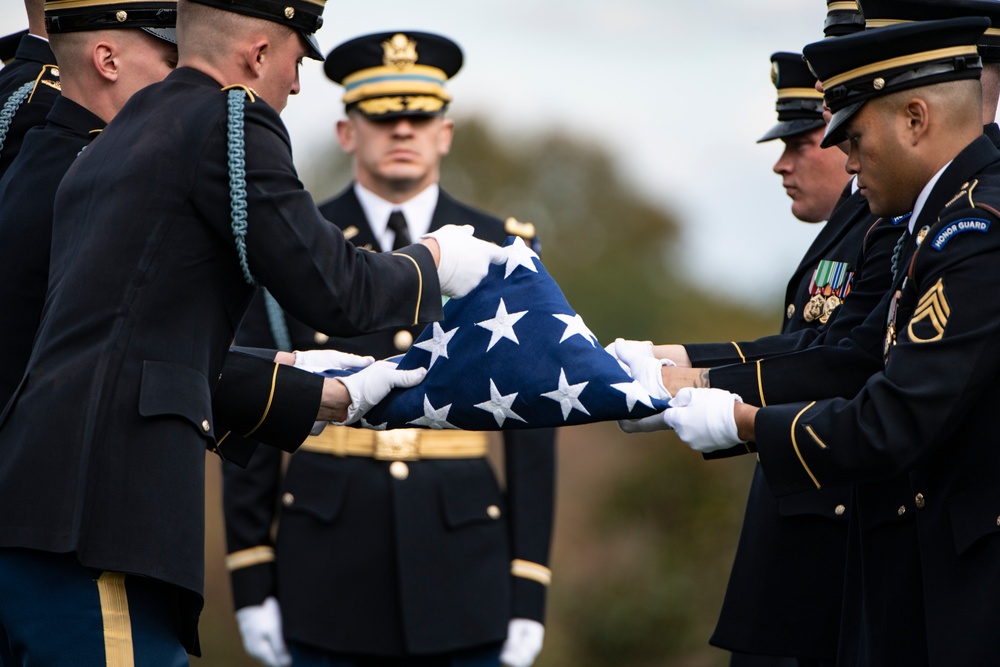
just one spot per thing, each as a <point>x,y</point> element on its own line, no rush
<point>397,223</point>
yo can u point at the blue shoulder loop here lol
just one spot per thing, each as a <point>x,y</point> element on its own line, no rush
<point>237,177</point>
<point>10,108</point>
<point>279,326</point>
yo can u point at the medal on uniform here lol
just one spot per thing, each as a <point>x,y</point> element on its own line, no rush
<point>890,327</point>
<point>829,286</point>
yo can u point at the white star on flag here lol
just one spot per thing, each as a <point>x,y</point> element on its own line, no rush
<point>518,254</point>
<point>575,327</point>
<point>499,406</point>
<point>374,427</point>
<point>567,395</point>
<point>437,345</point>
<point>436,418</point>
<point>633,393</point>
<point>502,325</point>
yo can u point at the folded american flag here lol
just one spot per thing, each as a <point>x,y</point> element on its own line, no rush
<point>511,354</point>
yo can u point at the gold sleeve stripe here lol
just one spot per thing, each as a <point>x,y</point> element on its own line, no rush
<point>420,285</point>
<point>528,570</point>
<point>810,431</point>
<point>249,557</point>
<point>739,352</point>
<point>760,386</point>
<point>118,651</point>
<point>843,6</point>
<point>795,445</point>
<point>270,399</point>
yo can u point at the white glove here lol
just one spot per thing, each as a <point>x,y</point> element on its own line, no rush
<point>370,385</point>
<point>524,643</point>
<point>704,419</point>
<point>260,627</point>
<point>636,357</point>
<point>317,361</point>
<point>648,424</point>
<point>465,260</point>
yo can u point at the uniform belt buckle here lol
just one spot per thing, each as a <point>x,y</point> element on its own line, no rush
<point>397,445</point>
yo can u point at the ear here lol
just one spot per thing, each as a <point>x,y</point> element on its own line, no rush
<point>104,57</point>
<point>445,136</point>
<point>917,117</point>
<point>346,136</point>
<point>255,55</point>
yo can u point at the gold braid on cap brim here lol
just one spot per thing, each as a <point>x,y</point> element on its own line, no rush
<point>384,105</point>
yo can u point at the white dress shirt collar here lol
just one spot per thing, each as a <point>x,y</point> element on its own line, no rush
<point>418,212</point>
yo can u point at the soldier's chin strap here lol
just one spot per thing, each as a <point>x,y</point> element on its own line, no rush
<point>10,108</point>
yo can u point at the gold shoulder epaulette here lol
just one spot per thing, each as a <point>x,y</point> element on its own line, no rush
<point>251,93</point>
<point>517,228</point>
<point>49,76</point>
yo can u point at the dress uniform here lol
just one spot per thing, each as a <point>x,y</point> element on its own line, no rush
<point>924,422</point>
<point>399,544</point>
<point>784,592</point>
<point>104,437</point>
<point>29,84</point>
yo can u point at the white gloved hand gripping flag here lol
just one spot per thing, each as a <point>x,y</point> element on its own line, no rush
<point>511,354</point>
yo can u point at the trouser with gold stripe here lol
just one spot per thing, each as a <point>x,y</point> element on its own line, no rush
<point>54,612</point>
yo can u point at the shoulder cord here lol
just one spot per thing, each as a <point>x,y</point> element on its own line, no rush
<point>897,253</point>
<point>238,206</point>
<point>237,178</point>
<point>10,108</point>
<point>279,326</point>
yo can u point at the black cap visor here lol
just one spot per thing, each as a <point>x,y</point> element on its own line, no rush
<point>788,128</point>
<point>312,45</point>
<point>836,130</point>
<point>166,34</point>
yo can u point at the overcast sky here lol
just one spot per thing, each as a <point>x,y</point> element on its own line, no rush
<point>678,91</point>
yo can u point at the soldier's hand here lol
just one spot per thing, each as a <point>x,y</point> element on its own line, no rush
<point>317,361</point>
<point>704,418</point>
<point>636,356</point>
<point>260,627</point>
<point>370,385</point>
<point>465,260</point>
<point>524,642</point>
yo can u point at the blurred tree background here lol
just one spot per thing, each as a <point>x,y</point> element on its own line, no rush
<point>645,529</point>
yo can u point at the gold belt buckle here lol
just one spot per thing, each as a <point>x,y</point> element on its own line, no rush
<point>397,445</point>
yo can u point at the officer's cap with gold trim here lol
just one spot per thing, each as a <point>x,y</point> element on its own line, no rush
<point>882,13</point>
<point>873,63</point>
<point>157,17</point>
<point>843,17</point>
<point>305,16</point>
<point>800,105</point>
<point>9,44</point>
<point>391,74</point>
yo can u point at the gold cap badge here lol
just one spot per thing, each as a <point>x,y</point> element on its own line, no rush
<point>122,16</point>
<point>400,52</point>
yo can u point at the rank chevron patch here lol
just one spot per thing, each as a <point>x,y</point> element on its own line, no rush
<point>931,316</point>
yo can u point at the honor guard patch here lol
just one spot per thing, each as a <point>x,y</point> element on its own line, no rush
<point>952,229</point>
<point>931,316</point>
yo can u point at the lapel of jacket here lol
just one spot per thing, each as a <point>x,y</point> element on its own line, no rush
<point>345,211</point>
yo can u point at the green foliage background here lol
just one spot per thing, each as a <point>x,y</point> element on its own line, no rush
<point>645,529</point>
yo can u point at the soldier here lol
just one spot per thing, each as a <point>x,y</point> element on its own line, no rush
<point>387,556</point>
<point>161,228</point>
<point>29,82</point>
<point>924,591</point>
